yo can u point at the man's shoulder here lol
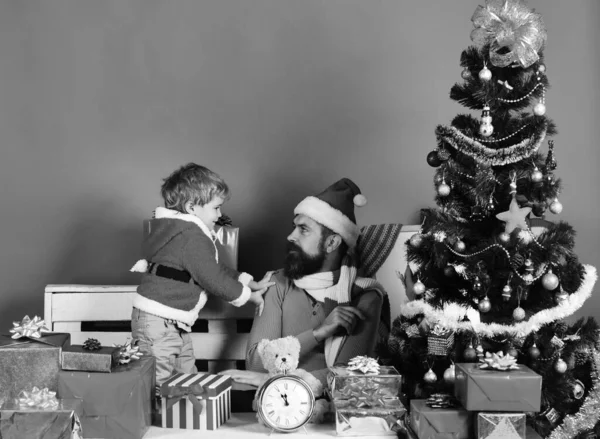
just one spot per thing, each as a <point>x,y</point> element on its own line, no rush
<point>281,280</point>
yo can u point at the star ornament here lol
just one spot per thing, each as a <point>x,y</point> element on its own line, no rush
<point>515,216</point>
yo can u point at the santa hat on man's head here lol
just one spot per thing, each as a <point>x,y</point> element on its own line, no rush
<point>334,208</point>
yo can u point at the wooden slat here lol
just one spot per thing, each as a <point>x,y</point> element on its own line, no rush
<point>66,327</point>
<point>80,288</point>
<point>206,346</point>
<point>222,326</point>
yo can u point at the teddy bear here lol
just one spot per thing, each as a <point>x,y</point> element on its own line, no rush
<point>281,356</point>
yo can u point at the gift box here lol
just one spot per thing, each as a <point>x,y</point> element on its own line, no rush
<point>198,401</point>
<point>76,357</point>
<point>501,426</point>
<point>439,423</point>
<point>117,404</point>
<point>440,341</point>
<point>381,420</point>
<point>518,390</point>
<point>27,362</point>
<point>344,383</point>
<point>60,421</point>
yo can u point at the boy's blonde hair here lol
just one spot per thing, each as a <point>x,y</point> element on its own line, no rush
<point>192,183</point>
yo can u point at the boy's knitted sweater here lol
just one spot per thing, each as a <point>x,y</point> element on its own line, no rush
<point>184,242</point>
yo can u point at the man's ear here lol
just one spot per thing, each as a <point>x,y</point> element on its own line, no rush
<point>332,243</point>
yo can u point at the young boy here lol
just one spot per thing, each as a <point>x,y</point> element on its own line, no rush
<point>181,265</point>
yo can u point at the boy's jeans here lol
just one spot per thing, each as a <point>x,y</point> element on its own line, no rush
<point>163,340</point>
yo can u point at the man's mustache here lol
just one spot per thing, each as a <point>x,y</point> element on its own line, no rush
<point>292,247</point>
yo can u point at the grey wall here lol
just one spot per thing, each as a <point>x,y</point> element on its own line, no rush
<point>99,100</point>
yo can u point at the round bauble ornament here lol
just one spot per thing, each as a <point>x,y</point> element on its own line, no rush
<point>486,130</point>
<point>536,175</point>
<point>518,314</point>
<point>560,366</point>
<point>556,206</point>
<point>430,377</point>
<point>534,352</point>
<point>470,354</point>
<point>485,74</point>
<point>460,246</point>
<point>450,374</point>
<point>541,68</point>
<point>433,160</point>
<point>443,189</point>
<point>504,238</point>
<point>506,293</point>
<point>449,271</point>
<point>550,281</point>
<point>539,109</point>
<point>484,305</point>
<point>416,240</point>
<point>560,297</point>
<point>539,209</point>
<point>419,287</point>
<point>578,389</point>
<point>466,74</point>
<point>443,154</point>
<point>512,351</point>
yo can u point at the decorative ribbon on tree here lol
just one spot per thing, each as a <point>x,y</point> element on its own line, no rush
<point>509,24</point>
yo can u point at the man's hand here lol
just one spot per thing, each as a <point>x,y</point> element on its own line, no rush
<point>342,318</point>
<point>246,376</point>
<point>264,283</point>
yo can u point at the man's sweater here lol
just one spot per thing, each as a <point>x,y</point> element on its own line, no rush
<point>289,310</point>
<point>183,242</point>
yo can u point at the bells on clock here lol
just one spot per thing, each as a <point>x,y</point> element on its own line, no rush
<point>550,281</point>
<point>556,206</point>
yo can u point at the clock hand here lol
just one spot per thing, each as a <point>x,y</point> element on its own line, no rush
<point>284,396</point>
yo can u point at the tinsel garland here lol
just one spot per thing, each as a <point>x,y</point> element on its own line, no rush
<point>589,413</point>
<point>489,156</point>
<point>522,329</point>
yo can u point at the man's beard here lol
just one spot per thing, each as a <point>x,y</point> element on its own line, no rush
<point>298,263</point>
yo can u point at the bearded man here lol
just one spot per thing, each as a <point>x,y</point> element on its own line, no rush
<point>318,297</point>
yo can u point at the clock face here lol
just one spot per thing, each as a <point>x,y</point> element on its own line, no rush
<point>286,403</point>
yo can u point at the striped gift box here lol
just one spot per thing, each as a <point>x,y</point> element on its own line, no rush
<point>214,407</point>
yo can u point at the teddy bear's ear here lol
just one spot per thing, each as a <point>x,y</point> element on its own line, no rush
<point>261,346</point>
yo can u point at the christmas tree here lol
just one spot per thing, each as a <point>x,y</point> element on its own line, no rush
<point>490,273</point>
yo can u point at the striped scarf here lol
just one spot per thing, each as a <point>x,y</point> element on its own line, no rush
<point>374,246</point>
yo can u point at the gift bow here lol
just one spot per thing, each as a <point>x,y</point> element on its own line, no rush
<point>175,394</point>
<point>499,361</point>
<point>439,330</point>
<point>29,328</point>
<point>38,398</point>
<point>509,23</point>
<point>128,352</point>
<point>365,364</point>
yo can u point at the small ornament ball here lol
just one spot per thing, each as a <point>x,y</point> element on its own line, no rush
<point>504,238</point>
<point>443,189</point>
<point>560,297</point>
<point>578,389</point>
<point>556,207</point>
<point>539,209</point>
<point>486,130</point>
<point>419,287</point>
<point>537,176</point>
<point>518,314</point>
<point>485,305</point>
<point>466,74</point>
<point>470,354</point>
<point>539,109</point>
<point>450,374</point>
<point>430,377</point>
<point>541,68</point>
<point>534,352</point>
<point>485,74</point>
<point>460,246</point>
<point>433,159</point>
<point>560,366</point>
<point>449,271</point>
<point>416,240</point>
<point>550,281</point>
<point>512,351</point>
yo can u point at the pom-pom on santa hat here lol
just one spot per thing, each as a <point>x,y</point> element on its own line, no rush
<point>334,208</point>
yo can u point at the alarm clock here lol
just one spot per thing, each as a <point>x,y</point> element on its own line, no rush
<point>285,403</point>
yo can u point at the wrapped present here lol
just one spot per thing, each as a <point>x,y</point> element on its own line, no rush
<point>501,426</point>
<point>439,341</point>
<point>117,404</point>
<point>512,390</point>
<point>30,361</point>
<point>362,379</point>
<point>38,414</point>
<point>439,423</point>
<point>382,420</point>
<point>103,359</point>
<point>198,401</point>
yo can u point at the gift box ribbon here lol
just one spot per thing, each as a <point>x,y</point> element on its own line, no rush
<point>38,398</point>
<point>176,394</point>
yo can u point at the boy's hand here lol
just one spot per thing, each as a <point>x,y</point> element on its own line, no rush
<point>256,297</point>
<point>264,283</point>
